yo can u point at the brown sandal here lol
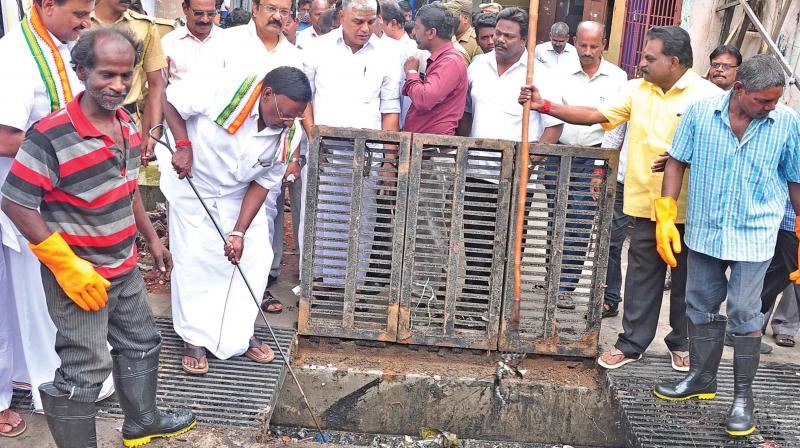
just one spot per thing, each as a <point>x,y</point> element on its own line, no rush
<point>198,353</point>
<point>269,304</point>
<point>266,356</point>
<point>5,420</point>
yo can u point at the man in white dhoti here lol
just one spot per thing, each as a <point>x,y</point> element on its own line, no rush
<point>233,143</point>
<point>37,80</point>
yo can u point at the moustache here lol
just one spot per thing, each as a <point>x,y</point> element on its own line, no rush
<point>277,23</point>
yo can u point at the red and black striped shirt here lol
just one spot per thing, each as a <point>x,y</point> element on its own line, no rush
<point>83,184</point>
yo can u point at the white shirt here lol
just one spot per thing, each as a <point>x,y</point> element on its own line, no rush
<point>352,89</point>
<point>188,56</point>
<point>548,56</point>
<point>579,89</point>
<point>246,53</point>
<point>24,100</point>
<point>305,37</point>
<point>492,100</point>
<point>225,164</point>
<point>406,47</point>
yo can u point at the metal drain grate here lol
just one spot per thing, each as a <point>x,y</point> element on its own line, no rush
<point>649,422</point>
<point>234,392</point>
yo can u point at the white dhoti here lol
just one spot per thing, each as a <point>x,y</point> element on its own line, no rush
<point>6,345</point>
<point>211,306</point>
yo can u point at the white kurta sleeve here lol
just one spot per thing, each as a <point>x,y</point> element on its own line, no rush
<point>17,92</point>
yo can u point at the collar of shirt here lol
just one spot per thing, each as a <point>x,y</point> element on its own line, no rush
<point>83,126</point>
<point>184,33</point>
<point>681,84</point>
<point>340,41</point>
<point>603,70</point>
<point>439,52</point>
<point>491,59</point>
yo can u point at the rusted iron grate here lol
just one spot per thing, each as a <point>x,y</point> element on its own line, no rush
<point>457,218</point>
<point>565,252</point>
<point>355,217</point>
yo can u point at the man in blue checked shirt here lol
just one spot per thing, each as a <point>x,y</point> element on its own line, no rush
<point>743,150</point>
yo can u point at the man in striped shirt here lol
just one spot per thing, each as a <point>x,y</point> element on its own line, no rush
<point>743,150</point>
<point>79,166</point>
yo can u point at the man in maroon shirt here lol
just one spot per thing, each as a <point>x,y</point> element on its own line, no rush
<point>439,96</point>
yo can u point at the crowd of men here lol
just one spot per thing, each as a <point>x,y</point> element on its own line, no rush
<point>239,102</point>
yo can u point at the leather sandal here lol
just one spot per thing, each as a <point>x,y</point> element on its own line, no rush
<point>784,340</point>
<point>5,420</point>
<point>198,353</point>
<point>266,356</point>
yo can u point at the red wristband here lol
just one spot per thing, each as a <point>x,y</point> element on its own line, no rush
<point>183,144</point>
<point>599,171</point>
<point>546,106</point>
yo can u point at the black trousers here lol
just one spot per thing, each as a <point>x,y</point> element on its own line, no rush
<point>644,289</point>
<point>783,263</point>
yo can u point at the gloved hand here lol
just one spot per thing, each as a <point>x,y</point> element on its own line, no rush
<point>75,275</point>
<point>668,240</point>
<point>795,276</point>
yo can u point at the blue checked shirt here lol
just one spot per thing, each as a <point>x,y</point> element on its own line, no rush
<point>737,190</point>
<point>788,218</point>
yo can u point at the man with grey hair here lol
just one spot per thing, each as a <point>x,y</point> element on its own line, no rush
<point>558,50</point>
<point>743,151</point>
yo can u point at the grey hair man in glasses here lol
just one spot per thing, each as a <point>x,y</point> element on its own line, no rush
<point>235,144</point>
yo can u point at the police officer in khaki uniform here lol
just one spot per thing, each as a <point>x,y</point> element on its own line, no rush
<point>147,89</point>
<point>465,32</point>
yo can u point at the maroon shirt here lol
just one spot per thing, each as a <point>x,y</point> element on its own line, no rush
<point>438,101</point>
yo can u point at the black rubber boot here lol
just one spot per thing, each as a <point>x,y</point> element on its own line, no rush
<point>136,381</point>
<point>705,352</point>
<point>746,354</point>
<point>71,422</point>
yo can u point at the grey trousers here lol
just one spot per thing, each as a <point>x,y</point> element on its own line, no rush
<point>619,230</point>
<point>295,192</point>
<point>644,290</point>
<point>126,322</point>
<point>786,318</point>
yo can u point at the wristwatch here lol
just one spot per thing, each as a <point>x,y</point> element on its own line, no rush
<point>412,71</point>
<point>294,160</point>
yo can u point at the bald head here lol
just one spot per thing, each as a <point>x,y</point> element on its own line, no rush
<point>360,5</point>
<point>590,42</point>
<point>589,29</point>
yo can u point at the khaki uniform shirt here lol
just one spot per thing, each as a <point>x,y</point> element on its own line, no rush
<point>145,30</point>
<point>469,40</point>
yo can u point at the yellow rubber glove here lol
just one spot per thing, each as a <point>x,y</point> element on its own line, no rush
<point>795,276</point>
<point>75,275</point>
<point>668,240</point>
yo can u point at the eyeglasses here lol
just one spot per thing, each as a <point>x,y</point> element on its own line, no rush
<point>724,67</point>
<point>280,115</point>
<point>272,10</point>
<point>210,14</point>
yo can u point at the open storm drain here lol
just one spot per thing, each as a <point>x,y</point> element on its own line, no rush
<point>234,392</point>
<point>649,422</point>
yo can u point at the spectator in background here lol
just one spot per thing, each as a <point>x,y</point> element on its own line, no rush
<point>490,7</point>
<point>406,7</point>
<point>465,33</point>
<point>237,16</point>
<point>484,29</point>
<point>558,49</point>
<point>304,37</point>
<point>409,28</point>
<point>725,61</point>
<point>303,14</point>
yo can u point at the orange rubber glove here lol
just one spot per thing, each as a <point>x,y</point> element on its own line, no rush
<point>75,275</point>
<point>795,276</point>
<point>668,240</point>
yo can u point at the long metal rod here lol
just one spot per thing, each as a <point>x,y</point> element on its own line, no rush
<point>246,282</point>
<point>764,35</point>
<point>524,150</point>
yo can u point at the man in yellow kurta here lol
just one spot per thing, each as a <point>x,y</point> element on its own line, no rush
<point>653,109</point>
<point>147,88</point>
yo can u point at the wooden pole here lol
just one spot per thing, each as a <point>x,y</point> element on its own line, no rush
<point>524,157</point>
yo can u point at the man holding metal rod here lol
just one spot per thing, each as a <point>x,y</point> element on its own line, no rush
<point>235,144</point>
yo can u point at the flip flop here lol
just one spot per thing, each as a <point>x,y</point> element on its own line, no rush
<point>15,430</point>
<point>683,355</point>
<point>784,340</point>
<point>269,304</point>
<point>265,358</point>
<point>616,352</point>
<point>197,353</point>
